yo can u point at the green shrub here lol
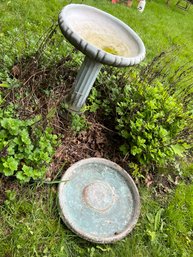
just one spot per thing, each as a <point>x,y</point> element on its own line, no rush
<point>78,122</point>
<point>150,107</point>
<point>151,120</point>
<point>25,150</point>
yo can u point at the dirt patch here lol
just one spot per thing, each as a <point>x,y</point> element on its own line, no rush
<point>96,141</point>
<point>7,184</point>
<point>42,89</point>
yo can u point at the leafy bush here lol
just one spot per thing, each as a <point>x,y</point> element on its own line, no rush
<point>150,107</point>
<point>25,150</point>
<point>78,122</point>
<point>150,119</point>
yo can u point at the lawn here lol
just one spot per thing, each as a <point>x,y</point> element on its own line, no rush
<point>160,26</point>
<point>38,136</point>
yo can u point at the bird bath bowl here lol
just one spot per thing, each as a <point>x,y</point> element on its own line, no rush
<point>103,39</point>
<point>99,200</point>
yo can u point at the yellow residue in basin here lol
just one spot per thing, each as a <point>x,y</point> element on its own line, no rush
<point>110,50</point>
<point>103,38</point>
<point>107,42</point>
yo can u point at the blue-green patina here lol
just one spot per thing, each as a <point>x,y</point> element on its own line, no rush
<point>97,201</point>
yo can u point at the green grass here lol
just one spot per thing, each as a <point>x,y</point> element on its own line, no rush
<point>30,226</point>
<point>180,222</point>
<point>160,26</point>
<point>30,223</point>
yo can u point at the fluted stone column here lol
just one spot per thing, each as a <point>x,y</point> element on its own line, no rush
<point>83,84</point>
<point>103,39</point>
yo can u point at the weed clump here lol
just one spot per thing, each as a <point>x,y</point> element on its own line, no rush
<point>25,149</point>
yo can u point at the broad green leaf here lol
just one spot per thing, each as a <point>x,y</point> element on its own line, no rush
<point>7,172</point>
<point>28,171</point>
<point>136,150</point>
<point>124,149</point>
<point>178,149</point>
<point>11,163</point>
<point>5,85</point>
<point>20,175</point>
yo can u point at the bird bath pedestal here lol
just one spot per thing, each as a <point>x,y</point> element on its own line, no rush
<point>103,39</point>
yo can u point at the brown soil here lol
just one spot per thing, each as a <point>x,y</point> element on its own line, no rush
<point>7,184</point>
<point>96,141</point>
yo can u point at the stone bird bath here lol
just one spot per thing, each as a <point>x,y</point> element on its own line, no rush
<point>99,201</point>
<point>103,39</point>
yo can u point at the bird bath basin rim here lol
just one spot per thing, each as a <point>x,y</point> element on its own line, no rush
<point>71,173</point>
<point>92,51</point>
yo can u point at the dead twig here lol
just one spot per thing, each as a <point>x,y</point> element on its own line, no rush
<point>33,75</point>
